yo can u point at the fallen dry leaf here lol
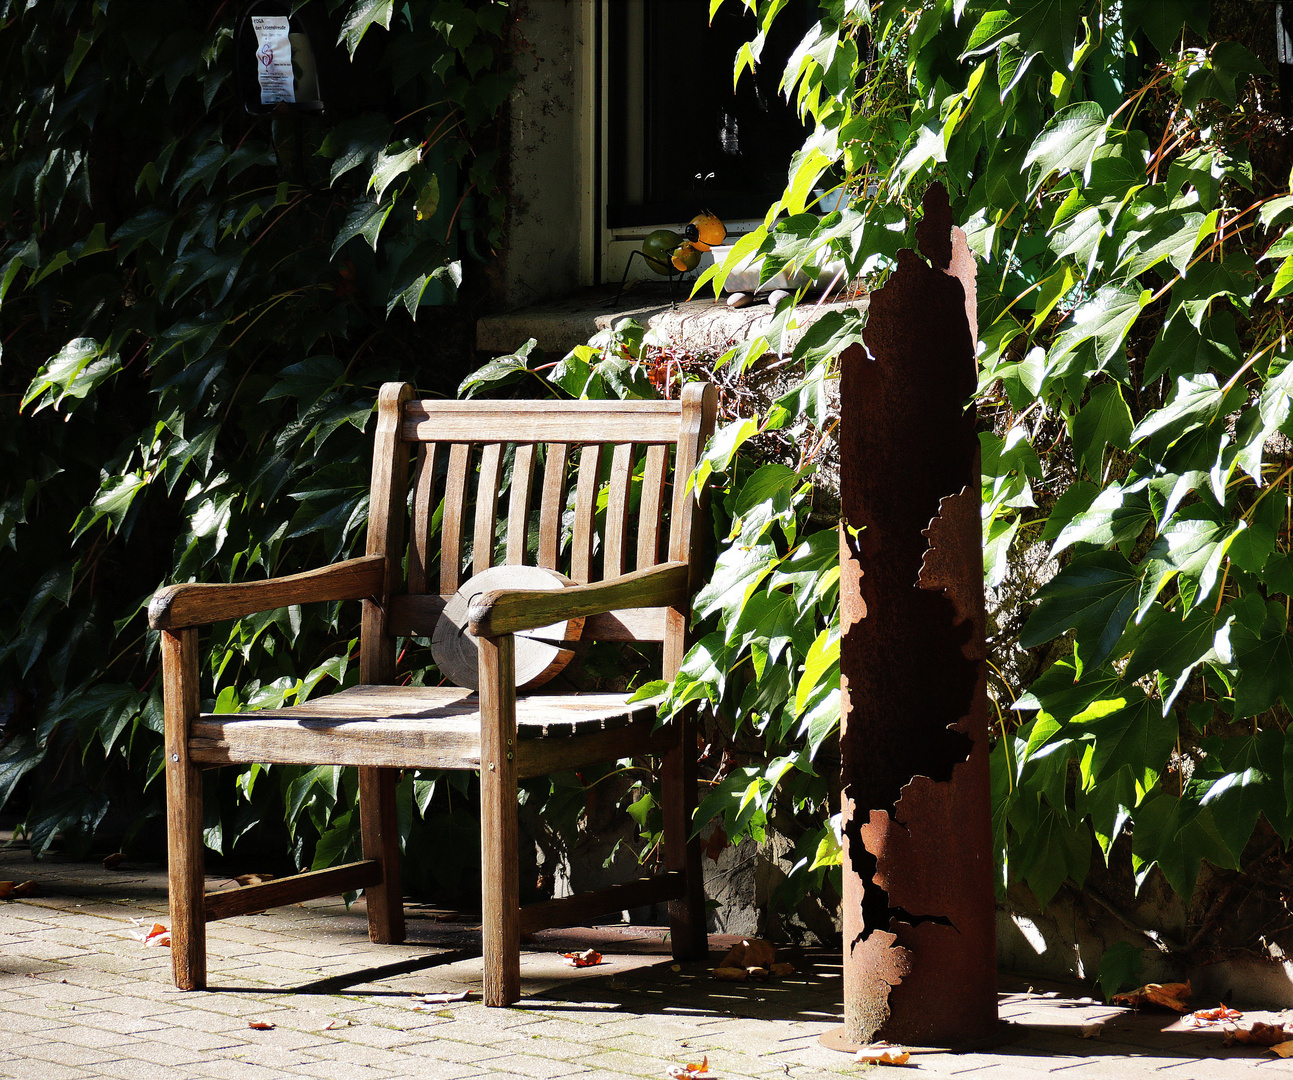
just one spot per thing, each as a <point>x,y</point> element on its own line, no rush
<point>6,887</point>
<point>735,956</point>
<point>780,970</point>
<point>334,1025</point>
<point>758,974</point>
<point>441,999</point>
<point>261,1025</point>
<point>114,860</point>
<point>759,953</point>
<point>158,935</point>
<point>1222,1014</point>
<point>1258,1035</point>
<point>253,879</point>
<point>1168,995</point>
<point>690,1071</point>
<point>731,974</point>
<point>27,888</point>
<point>1090,1031</point>
<point>871,1055</point>
<point>1284,1049</point>
<point>587,958</point>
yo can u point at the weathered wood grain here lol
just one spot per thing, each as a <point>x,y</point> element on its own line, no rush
<point>198,604</point>
<point>335,880</point>
<point>577,910</point>
<point>184,864</point>
<point>500,881</point>
<point>507,611</point>
<point>489,474</point>
<point>617,510</point>
<point>542,421</point>
<point>552,504</point>
<point>581,536</point>
<point>455,518</point>
<point>518,503</point>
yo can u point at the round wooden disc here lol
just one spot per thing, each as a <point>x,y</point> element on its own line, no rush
<point>541,653</point>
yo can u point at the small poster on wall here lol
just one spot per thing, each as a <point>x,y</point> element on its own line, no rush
<point>273,59</point>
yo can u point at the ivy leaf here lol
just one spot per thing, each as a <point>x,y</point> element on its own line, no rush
<point>362,15</point>
<point>736,575</point>
<point>1265,675</point>
<point>1198,401</point>
<point>1094,596</point>
<point>1117,516</point>
<point>1173,647</point>
<point>390,166</point>
<point>1176,835</point>
<point>1103,421</point>
<point>1215,77</point>
<point>1120,967</point>
<point>365,219</point>
<point>1251,784</point>
<point>1192,545</point>
<point>1052,851</point>
<point>1033,27</point>
<point>1109,804</point>
<point>1137,736</point>
<point>1105,319</point>
<point>80,367</point>
<point>1163,23</point>
<point>1067,142</point>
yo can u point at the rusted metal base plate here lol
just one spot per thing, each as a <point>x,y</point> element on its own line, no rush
<point>1006,1033</point>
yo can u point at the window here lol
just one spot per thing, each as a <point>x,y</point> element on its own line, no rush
<point>675,137</point>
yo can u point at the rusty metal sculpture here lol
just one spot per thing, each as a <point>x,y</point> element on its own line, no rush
<point>919,930</point>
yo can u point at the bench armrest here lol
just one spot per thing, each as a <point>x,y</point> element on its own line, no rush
<point>195,604</point>
<point>505,611</point>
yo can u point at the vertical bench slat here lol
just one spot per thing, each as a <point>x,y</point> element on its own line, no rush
<point>491,471</point>
<point>651,507</point>
<point>617,510</point>
<point>420,554</point>
<point>455,515</point>
<point>552,505</point>
<point>581,542</point>
<point>518,503</point>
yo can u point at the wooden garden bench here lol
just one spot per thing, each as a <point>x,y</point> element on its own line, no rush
<point>460,450</point>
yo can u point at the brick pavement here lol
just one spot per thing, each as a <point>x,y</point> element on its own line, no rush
<point>81,997</point>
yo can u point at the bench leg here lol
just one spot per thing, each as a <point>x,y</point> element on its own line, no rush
<point>184,866</point>
<point>499,843</point>
<point>688,935</point>
<point>380,830</point>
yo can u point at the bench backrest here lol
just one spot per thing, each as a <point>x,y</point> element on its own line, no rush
<point>501,476</point>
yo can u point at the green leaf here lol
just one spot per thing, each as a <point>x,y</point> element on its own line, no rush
<point>1116,517</point>
<point>1265,675</point>
<point>80,367</point>
<point>390,166</point>
<point>1103,421</point>
<point>1067,142</point>
<point>1176,835</point>
<point>1137,736</point>
<point>1251,784</point>
<point>1120,968</point>
<point>1193,545</point>
<point>1163,22</point>
<point>1105,319</point>
<point>1052,851</point>
<point>1198,401</point>
<point>1215,77</point>
<point>365,219</point>
<point>1173,647</point>
<point>1094,596</point>
<point>362,15</point>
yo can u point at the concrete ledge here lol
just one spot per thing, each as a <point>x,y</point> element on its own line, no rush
<point>701,326</point>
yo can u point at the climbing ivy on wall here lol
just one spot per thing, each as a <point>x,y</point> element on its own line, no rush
<point>196,309</point>
<point>1122,171</point>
